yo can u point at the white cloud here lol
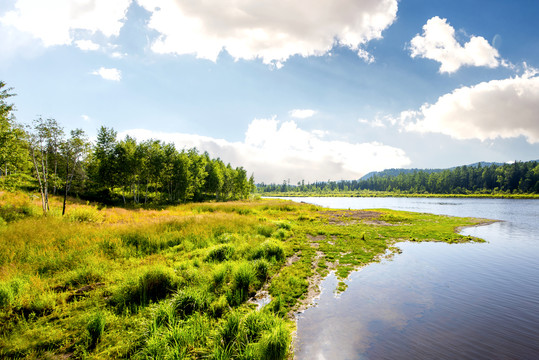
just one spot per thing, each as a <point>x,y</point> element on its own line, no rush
<point>377,122</point>
<point>108,73</point>
<point>118,55</point>
<point>276,150</point>
<point>365,55</point>
<point>302,113</point>
<point>270,30</point>
<point>55,22</point>
<point>87,45</point>
<point>438,43</point>
<point>496,109</point>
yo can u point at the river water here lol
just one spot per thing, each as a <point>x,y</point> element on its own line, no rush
<point>435,300</point>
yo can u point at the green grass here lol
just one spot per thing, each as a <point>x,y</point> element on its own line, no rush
<point>106,283</point>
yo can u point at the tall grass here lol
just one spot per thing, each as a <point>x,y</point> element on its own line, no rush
<point>95,328</point>
<point>173,282</point>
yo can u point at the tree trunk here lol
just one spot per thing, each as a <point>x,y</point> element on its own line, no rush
<point>65,188</point>
<point>39,181</point>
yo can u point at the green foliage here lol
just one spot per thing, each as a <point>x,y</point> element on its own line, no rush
<point>270,250</point>
<point>274,344</point>
<point>261,269</point>
<point>85,214</point>
<point>188,301</point>
<point>6,295</point>
<point>155,284</point>
<point>478,180</point>
<point>175,282</point>
<point>95,328</point>
<point>220,253</point>
<point>243,276</point>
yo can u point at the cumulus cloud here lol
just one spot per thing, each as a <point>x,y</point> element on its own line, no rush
<point>438,43</point>
<point>302,113</point>
<point>276,150</point>
<point>87,45</point>
<point>270,30</point>
<point>108,73</point>
<point>55,22</point>
<point>377,122</point>
<point>496,109</point>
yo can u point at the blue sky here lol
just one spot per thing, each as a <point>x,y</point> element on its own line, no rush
<point>311,90</point>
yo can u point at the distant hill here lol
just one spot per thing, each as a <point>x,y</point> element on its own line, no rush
<point>395,172</point>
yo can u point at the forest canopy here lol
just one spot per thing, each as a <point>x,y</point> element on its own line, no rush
<point>516,178</point>
<point>42,156</point>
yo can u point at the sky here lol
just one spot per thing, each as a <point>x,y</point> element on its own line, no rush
<point>311,90</point>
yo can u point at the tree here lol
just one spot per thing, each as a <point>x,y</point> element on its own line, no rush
<point>13,146</point>
<point>40,139</point>
<point>102,174</point>
<point>73,151</point>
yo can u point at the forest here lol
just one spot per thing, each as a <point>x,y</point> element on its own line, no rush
<point>43,157</point>
<point>516,178</point>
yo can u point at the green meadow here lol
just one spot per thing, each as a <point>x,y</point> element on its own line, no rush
<point>180,282</point>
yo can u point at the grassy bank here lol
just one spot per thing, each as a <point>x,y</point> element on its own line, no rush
<point>368,193</point>
<point>179,282</point>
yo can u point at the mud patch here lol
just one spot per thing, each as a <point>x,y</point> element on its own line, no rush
<point>348,217</point>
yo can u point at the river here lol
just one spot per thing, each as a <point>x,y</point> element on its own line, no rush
<point>435,300</point>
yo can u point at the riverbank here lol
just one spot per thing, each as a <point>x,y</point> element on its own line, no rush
<point>366,193</point>
<point>109,282</point>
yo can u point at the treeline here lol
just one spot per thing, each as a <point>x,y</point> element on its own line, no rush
<point>516,178</point>
<point>110,171</point>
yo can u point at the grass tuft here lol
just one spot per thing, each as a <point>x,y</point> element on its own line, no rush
<point>95,328</point>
